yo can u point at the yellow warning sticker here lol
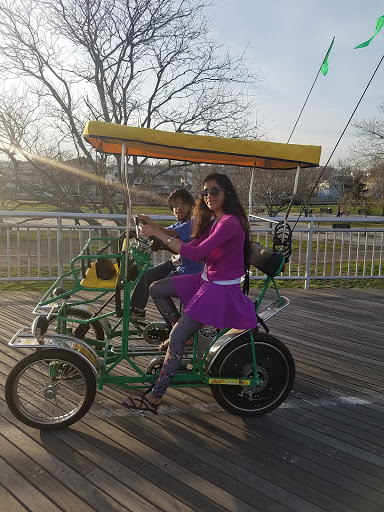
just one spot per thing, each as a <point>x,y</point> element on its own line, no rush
<point>233,382</point>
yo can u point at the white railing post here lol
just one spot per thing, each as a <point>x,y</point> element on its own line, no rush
<point>59,248</point>
<point>307,280</point>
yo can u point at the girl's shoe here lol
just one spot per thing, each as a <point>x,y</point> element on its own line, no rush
<point>140,403</point>
<point>137,314</point>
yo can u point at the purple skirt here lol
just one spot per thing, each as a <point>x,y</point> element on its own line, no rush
<point>214,304</point>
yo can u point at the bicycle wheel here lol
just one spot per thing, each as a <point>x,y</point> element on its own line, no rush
<point>275,367</point>
<point>50,389</point>
<point>95,331</point>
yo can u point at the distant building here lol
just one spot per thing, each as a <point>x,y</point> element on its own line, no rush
<point>23,183</point>
<point>334,188</point>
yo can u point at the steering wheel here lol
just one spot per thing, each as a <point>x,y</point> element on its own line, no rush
<point>154,243</point>
<point>157,245</point>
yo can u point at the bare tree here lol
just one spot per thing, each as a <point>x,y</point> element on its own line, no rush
<point>376,180</point>
<point>370,148</point>
<point>305,188</point>
<point>273,189</point>
<point>149,63</point>
<point>22,135</point>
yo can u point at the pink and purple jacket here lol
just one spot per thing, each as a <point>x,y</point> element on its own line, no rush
<point>221,245</point>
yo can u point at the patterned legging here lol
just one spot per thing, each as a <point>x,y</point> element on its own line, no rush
<point>183,328</point>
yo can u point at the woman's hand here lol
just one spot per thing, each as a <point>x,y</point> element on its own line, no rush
<point>150,230</point>
<point>162,235</point>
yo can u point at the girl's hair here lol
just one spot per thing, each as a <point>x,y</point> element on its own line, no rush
<point>203,215</point>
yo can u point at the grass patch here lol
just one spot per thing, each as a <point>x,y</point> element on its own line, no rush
<point>323,283</point>
<point>22,286</point>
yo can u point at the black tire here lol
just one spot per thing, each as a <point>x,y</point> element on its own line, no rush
<point>50,389</point>
<point>275,366</point>
<point>95,331</point>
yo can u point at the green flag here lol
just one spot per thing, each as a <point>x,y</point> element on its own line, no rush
<point>379,26</point>
<point>324,66</point>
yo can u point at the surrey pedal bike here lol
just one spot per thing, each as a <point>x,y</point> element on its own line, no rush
<point>79,345</point>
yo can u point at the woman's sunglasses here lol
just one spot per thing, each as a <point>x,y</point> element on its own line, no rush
<point>214,191</point>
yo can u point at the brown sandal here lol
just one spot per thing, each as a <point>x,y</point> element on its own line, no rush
<point>164,345</point>
<point>140,403</point>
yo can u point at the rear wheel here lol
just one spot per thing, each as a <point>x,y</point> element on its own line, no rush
<point>92,330</point>
<point>50,389</point>
<point>275,367</point>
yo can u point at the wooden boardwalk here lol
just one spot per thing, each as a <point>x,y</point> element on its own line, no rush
<point>322,450</point>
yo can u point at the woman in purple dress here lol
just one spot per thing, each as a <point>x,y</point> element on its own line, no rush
<point>213,297</point>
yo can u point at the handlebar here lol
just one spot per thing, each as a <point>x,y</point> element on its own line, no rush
<point>154,243</point>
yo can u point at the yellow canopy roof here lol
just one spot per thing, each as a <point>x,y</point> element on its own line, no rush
<point>109,137</point>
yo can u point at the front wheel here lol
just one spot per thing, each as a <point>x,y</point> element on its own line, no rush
<point>50,389</point>
<point>275,367</point>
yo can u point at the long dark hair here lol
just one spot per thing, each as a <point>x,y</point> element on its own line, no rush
<point>203,215</point>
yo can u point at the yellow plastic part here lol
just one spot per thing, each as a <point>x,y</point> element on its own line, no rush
<point>109,138</point>
<point>92,281</point>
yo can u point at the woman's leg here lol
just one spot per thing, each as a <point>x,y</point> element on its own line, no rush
<point>162,293</point>
<point>181,332</point>
<point>140,294</point>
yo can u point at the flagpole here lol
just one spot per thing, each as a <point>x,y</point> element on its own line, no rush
<point>305,102</point>
<point>301,111</point>
<point>339,139</point>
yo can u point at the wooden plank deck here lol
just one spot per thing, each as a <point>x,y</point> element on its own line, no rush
<point>322,450</point>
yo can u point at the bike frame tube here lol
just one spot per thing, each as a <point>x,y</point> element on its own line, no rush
<point>265,287</point>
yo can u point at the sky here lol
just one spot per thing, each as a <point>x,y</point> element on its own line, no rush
<point>288,39</point>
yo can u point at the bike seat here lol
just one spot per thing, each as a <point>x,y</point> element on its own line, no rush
<point>264,259</point>
<point>92,281</point>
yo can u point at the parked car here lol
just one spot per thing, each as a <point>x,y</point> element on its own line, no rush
<point>43,195</point>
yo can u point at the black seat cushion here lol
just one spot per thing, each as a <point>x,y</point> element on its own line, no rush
<point>266,260</point>
<point>105,269</point>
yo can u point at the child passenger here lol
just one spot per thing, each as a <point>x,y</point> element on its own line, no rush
<point>181,204</point>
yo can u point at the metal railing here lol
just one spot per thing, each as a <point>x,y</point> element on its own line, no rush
<point>38,246</point>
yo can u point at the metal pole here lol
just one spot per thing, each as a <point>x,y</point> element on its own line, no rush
<point>250,191</point>
<point>305,102</point>
<point>307,281</point>
<point>59,249</point>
